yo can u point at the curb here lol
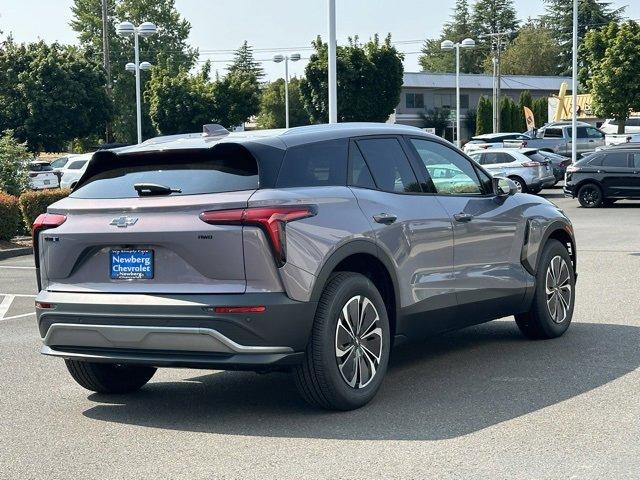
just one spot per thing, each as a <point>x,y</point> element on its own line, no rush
<point>15,252</point>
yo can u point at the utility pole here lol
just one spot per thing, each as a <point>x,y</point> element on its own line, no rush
<point>333,84</point>
<point>106,59</point>
<point>574,86</point>
<point>497,45</point>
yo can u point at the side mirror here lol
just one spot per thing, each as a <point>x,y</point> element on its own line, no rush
<point>503,187</point>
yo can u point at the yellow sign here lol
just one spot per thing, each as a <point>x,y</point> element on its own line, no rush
<point>565,105</point>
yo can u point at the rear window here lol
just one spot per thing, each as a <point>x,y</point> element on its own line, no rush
<point>40,167</point>
<point>196,172</point>
<point>553,133</point>
<point>317,164</point>
<point>77,165</point>
<point>536,157</point>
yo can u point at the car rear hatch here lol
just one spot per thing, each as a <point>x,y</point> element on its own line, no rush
<point>121,231</point>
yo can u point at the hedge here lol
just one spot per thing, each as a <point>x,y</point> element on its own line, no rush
<point>35,202</point>
<point>10,221</point>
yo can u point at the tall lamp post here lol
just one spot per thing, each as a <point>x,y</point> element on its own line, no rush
<point>449,45</point>
<point>574,86</point>
<point>332,75</point>
<point>294,57</point>
<point>144,30</point>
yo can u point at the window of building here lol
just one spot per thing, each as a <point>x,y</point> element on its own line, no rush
<point>415,100</point>
<point>464,101</point>
<point>444,100</point>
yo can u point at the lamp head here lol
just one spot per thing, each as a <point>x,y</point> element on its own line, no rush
<point>294,57</point>
<point>130,67</point>
<point>145,66</point>
<point>125,28</point>
<point>468,43</point>
<point>447,45</point>
<point>147,29</point>
<point>278,58</point>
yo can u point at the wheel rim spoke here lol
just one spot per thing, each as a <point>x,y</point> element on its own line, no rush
<point>558,289</point>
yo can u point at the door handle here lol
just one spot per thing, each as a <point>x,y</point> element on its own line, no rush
<point>463,217</point>
<point>385,218</point>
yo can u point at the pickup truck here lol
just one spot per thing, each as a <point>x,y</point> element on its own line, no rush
<point>556,138</point>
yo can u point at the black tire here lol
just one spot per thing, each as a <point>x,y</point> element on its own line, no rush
<point>319,378</point>
<point>535,191</point>
<point>518,181</point>
<point>539,322</point>
<point>590,195</point>
<point>109,377</point>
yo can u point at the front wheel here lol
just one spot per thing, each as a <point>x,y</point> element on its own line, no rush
<point>590,195</point>
<point>109,377</point>
<point>552,307</point>
<point>348,352</point>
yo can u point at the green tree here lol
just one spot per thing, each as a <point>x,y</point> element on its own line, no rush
<point>244,61</point>
<point>471,120</point>
<point>167,49</point>
<point>533,52</point>
<point>541,111</point>
<point>369,81</point>
<point>434,59</point>
<point>525,101</point>
<point>437,118</point>
<point>180,103</point>
<point>484,121</point>
<point>50,94</point>
<point>272,105</point>
<point>14,157</point>
<point>592,14</point>
<point>614,59</point>
<point>491,16</point>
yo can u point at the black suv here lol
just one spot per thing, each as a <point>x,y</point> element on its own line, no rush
<point>604,177</point>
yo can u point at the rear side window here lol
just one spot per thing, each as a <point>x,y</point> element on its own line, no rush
<point>318,164</point>
<point>536,157</point>
<point>77,165</point>
<point>389,165</point>
<point>359,173</point>
<point>635,157</point>
<point>226,169</point>
<point>492,158</point>
<point>617,159</point>
<point>553,133</point>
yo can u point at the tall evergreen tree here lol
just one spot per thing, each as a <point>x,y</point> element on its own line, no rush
<point>244,61</point>
<point>484,116</point>
<point>525,101</point>
<point>592,14</point>
<point>490,16</point>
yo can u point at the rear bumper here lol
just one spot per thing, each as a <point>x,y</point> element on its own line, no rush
<point>175,330</point>
<point>541,182</point>
<point>569,190</point>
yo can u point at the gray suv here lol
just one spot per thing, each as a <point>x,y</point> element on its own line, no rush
<point>312,250</point>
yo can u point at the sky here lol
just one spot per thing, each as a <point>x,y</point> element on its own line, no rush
<point>272,26</point>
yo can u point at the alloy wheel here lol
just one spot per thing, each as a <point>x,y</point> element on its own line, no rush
<point>358,342</point>
<point>518,185</point>
<point>589,195</point>
<point>558,289</point>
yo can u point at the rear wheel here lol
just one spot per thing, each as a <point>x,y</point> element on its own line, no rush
<point>109,377</point>
<point>520,185</point>
<point>348,352</point>
<point>552,307</point>
<point>535,191</point>
<point>590,195</point>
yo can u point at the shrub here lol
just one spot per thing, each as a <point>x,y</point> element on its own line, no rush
<point>35,202</point>
<point>10,221</point>
<point>14,172</point>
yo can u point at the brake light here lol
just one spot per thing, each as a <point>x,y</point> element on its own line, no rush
<point>484,147</point>
<point>256,309</point>
<point>271,220</point>
<point>44,221</point>
<point>45,306</point>
<point>572,168</point>
<point>33,174</point>
<point>530,164</point>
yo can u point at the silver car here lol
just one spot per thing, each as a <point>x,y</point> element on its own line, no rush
<point>313,250</point>
<point>529,170</point>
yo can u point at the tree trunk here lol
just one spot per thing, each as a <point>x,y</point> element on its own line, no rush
<point>621,125</point>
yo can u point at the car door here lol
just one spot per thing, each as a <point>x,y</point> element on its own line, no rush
<point>411,227</point>
<point>634,188</point>
<point>617,174</point>
<point>488,235</point>
<point>595,138</point>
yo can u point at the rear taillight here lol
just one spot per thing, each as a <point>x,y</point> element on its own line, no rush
<point>271,220</point>
<point>572,168</point>
<point>33,174</point>
<point>530,164</point>
<point>254,309</point>
<point>44,221</point>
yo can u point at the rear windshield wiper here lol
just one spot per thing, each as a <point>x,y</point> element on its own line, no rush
<point>148,189</point>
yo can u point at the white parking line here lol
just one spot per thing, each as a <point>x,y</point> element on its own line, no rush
<point>17,267</point>
<point>20,295</point>
<point>18,316</point>
<point>5,304</point>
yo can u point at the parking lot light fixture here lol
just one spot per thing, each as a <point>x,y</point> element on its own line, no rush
<point>294,57</point>
<point>144,30</point>
<point>449,45</point>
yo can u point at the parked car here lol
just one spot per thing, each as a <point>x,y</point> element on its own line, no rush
<point>556,138</point>
<point>610,126</point>
<point>312,249</point>
<point>59,163</point>
<point>489,140</point>
<point>41,175</point>
<point>604,177</point>
<point>73,170</point>
<point>559,163</point>
<point>526,167</point>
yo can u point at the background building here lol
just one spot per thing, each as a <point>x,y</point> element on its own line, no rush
<point>425,91</point>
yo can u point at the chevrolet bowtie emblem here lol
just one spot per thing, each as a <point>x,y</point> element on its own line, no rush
<point>123,222</point>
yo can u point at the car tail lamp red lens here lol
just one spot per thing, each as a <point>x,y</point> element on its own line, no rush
<point>45,306</point>
<point>254,309</point>
<point>572,168</point>
<point>44,221</point>
<point>272,220</point>
<point>530,164</point>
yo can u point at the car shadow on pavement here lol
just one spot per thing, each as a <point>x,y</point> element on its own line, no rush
<point>446,387</point>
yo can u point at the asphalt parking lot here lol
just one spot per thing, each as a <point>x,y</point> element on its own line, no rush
<point>479,403</point>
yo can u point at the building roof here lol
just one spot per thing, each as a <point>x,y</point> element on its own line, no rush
<point>482,81</point>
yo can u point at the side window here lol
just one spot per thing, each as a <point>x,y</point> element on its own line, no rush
<point>389,165</point>
<point>478,158</point>
<point>451,173</point>
<point>617,159</point>
<point>633,122</point>
<point>359,173</point>
<point>315,165</point>
<point>635,157</point>
<point>485,180</point>
<point>594,133</point>
<point>596,161</point>
<point>553,133</point>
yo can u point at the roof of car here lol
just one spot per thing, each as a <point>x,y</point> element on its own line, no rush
<point>279,138</point>
<point>489,136</point>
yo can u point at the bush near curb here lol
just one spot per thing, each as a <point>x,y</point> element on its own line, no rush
<point>10,220</point>
<point>35,202</point>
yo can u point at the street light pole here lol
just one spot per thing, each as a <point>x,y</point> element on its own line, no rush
<point>449,45</point>
<point>333,87</point>
<point>285,58</point>
<point>145,29</point>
